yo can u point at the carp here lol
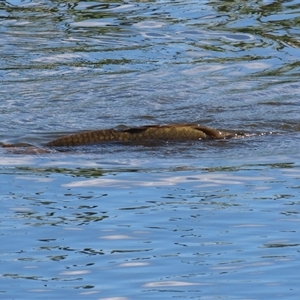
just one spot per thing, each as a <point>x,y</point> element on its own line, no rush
<point>173,132</point>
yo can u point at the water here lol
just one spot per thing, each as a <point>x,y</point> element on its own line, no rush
<point>204,220</point>
<point>173,230</point>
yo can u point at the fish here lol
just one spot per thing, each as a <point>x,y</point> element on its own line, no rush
<point>172,132</point>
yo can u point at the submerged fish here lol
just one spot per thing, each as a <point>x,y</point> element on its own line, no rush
<point>175,132</point>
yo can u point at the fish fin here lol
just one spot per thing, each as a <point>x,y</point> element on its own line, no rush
<point>141,129</point>
<point>134,130</point>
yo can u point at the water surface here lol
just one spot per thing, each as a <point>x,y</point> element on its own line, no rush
<point>194,220</point>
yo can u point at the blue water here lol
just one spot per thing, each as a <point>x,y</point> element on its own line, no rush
<point>121,231</point>
<point>191,220</point>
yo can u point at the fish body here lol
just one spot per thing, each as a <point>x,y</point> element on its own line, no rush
<point>175,132</point>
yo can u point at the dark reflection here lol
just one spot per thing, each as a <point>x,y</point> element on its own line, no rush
<point>57,218</point>
<point>19,276</point>
<point>247,7</point>
<point>76,172</point>
<point>90,251</point>
<point>130,250</point>
<point>57,257</point>
<point>280,245</point>
<point>85,287</point>
<point>258,166</point>
<point>88,217</point>
<point>86,251</point>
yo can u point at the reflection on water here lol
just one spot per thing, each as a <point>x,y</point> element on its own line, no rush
<point>207,220</point>
<point>67,66</point>
<point>206,230</point>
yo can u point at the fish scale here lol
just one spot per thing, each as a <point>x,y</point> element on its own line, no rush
<point>175,132</point>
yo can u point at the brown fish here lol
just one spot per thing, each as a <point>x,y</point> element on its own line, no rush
<point>174,132</point>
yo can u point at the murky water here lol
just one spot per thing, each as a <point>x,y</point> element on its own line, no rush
<point>203,220</point>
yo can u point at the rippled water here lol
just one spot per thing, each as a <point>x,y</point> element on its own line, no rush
<point>205,220</point>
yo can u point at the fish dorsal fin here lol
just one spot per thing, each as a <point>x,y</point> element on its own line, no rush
<point>141,129</point>
<point>136,130</point>
<point>145,127</point>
